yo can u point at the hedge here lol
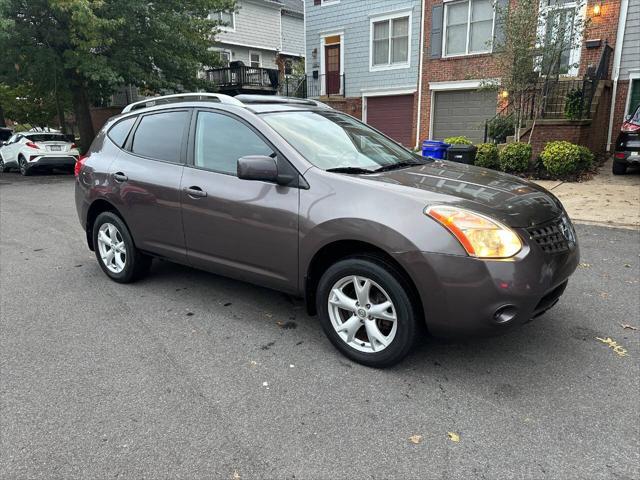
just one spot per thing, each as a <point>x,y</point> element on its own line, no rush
<point>564,158</point>
<point>515,157</point>
<point>487,156</point>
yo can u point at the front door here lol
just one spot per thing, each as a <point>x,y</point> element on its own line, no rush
<point>238,228</point>
<point>332,69</point>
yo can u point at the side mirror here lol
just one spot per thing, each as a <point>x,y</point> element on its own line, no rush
<point>258,167</point>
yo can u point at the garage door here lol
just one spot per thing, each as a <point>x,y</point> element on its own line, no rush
<point>393,116</point>
<point>462,112</point>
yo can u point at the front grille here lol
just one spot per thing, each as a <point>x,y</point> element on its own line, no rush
<point>554,237</point>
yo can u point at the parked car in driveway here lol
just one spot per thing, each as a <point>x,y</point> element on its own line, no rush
<point>304,199</point>
<point>627,149</point>
<point>28,151</point>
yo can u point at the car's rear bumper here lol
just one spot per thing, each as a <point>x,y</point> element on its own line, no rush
<point>630,157</point>
<point>468,296</point>
<point>51,161</point>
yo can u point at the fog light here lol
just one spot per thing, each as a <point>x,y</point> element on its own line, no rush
<point>505,314</point>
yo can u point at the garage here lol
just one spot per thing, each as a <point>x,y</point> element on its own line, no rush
<point>392,115</point>
<point>462,112</point>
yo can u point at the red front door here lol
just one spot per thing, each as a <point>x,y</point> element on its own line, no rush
<point>332,69</point>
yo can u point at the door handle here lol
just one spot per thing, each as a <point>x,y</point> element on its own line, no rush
<point>195,192</point>
<point>120,177</point>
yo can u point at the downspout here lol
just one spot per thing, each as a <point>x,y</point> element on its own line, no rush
<point>422,29</point>
<point>617,55</point>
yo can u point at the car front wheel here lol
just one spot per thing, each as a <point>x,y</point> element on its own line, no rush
<point>366,311</point>
<point>116,253</point>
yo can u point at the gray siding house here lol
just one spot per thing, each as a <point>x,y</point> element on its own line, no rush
<point>363,57</point>
<point>257,43</point>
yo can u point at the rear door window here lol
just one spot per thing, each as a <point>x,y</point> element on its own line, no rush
<point>120,131</point>
<point>160,135</point>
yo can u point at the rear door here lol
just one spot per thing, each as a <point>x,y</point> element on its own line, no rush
<point>239,228</point>
<point>146,181</point>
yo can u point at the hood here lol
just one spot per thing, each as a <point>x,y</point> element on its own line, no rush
<point>511,200</point>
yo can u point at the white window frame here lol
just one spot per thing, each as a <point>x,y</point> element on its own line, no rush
<point>224,28</point>
<point>225,50</point>
<point>444,31</point>
<point>326,3</point>
<point>576,51</point>
<point>254,52</point>
<point>388,17</point>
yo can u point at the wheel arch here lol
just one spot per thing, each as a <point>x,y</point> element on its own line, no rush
<point>339,249</point>
<point>96,208</point>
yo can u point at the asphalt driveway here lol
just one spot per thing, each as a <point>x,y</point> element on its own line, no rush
<point>189,375</point>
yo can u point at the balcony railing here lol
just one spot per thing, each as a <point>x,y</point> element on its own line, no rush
<point>244,79</point>
<point>326,85</point>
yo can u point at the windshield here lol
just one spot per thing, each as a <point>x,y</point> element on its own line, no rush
<point>333,141</point>
<point>635,118</point>
<point>46,137</point>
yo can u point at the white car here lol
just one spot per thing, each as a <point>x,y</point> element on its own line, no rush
<point>26,151</point>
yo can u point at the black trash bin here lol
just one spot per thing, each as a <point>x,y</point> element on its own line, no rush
<point>462,154</point>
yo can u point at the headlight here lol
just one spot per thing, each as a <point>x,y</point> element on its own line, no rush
<point>480,236</point>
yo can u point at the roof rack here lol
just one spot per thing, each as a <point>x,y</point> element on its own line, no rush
<point>274,99</point>
<point>182,97</point>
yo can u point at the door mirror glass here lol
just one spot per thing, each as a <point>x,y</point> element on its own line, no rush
<point>258,167</point>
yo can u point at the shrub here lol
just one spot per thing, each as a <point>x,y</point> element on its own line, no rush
<point>458,141</point>
<point>573,104</point>
<point>500,128</point>
<point>564,158</point>
<point>515,157</point>
<point>487,156</point>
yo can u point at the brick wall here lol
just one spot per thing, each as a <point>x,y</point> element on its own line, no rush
<point>350,105</point>
<point>618,111</point>
<point>604,28</point>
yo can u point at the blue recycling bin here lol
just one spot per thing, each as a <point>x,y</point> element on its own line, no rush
<point>434,149</point>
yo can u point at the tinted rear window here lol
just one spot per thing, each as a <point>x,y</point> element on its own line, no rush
<point>160,135</point>
<point>45,137</point>
<point>120,131</point>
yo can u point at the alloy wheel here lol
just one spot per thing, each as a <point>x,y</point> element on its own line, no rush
<point>112,248</point>
<point>362,314</point>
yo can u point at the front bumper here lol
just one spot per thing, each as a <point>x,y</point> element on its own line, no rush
<point>468,296</point>
<point>61,161</point>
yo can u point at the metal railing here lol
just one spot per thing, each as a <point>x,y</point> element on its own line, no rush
<point>242,76</point>
<point>326,85</point>
<point>293,86</point>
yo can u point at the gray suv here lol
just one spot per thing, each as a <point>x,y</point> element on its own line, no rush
<point>298,197</point>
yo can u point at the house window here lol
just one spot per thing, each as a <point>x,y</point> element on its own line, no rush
<point>227,20</point>
<point>561,52</point>
<point>225,57</point>
<point>468,27</point>
<point>390,42</point>
<point>255,59</point>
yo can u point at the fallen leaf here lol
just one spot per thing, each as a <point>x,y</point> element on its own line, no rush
<point>268,315</point>
<point>584,265</point>
<point>265,384</point>
<point>415,439</point>
<point>604,295</point>
<point>615,346</point>
<point>236,475</point>
<point>626,326</point>
<point>626,265</point>
<point>454,437</point>
<point>253,363</point>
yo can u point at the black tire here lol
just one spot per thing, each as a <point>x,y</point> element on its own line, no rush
<point>619,168</point>
<point>3,168</point>
<point>137,264</point>
<point>394,283</point>
<point>25,171</point>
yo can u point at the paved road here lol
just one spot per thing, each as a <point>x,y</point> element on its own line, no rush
<point>188,375</point>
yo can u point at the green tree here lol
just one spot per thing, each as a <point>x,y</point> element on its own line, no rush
<point>23,104</point>
<point>89,47</point>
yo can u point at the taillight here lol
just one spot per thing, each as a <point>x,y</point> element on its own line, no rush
<point>79,163</point>
<point>621,155</point>
<point>628,127</point>
<point>32,145</point>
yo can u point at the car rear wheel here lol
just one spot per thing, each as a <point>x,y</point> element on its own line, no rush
<point>366,311</point>
<point>619,168</point>
<point>24,168</point>
<point>3,167</point>
<point>116,253</point>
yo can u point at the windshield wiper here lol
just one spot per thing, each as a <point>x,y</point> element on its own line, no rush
<point>349,170</point>
<point>398,165</point>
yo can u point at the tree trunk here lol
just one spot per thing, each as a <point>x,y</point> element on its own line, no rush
<point>80,100</point>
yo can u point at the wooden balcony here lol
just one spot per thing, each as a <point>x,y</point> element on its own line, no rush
<point>242,79</point>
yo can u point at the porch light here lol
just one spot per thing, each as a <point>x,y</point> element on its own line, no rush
<point>504,94</point>
<point>596,9</point>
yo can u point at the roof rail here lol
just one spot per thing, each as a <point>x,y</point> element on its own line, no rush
<point>182,97</point>
<point>275,99</point>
